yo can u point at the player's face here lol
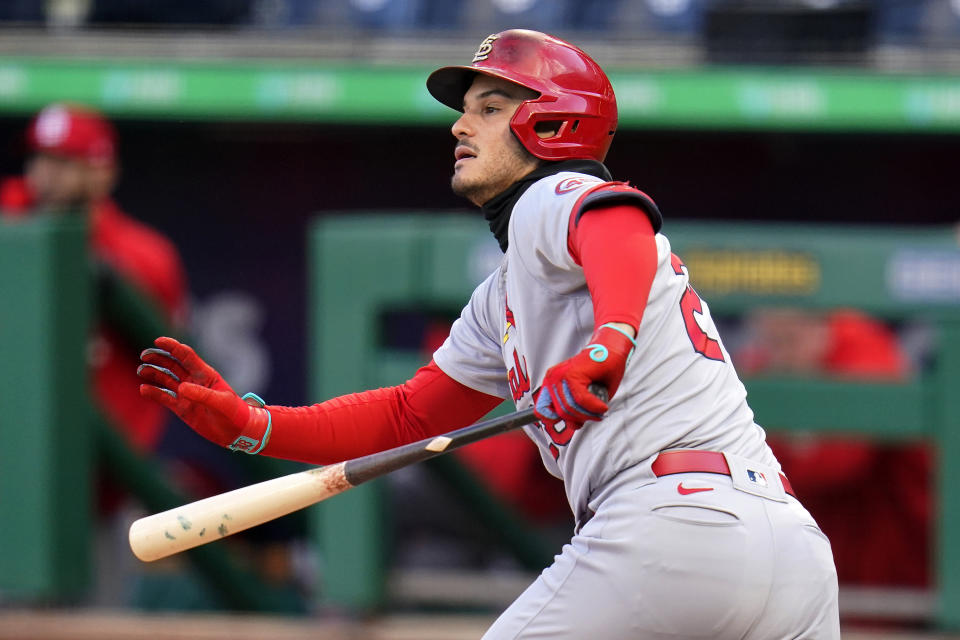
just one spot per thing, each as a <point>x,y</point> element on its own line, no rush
<point>59,183</point>
<point>488,157</point>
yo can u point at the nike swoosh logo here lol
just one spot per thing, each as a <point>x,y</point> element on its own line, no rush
<point>684,491</point>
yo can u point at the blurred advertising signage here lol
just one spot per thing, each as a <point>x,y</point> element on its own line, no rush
<point>298,90</point>
<point>802,99</point>
<point>142,87</point>
<point>760,272</point>
<point>344,91</point>
<point>924,275</point>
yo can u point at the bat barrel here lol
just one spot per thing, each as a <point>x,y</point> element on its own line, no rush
<point>216,517</point>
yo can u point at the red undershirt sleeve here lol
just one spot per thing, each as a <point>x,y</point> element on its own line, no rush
<point>358,424</point>
<point>615,245</point>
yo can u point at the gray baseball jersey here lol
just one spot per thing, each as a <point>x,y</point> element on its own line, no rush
<point>535,311</point>
<point>679,390</point>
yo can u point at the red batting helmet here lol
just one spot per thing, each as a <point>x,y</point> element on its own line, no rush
<point>574,92</point>
<point>73,131</point>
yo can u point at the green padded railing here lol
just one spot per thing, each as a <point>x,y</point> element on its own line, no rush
<point>364,265</point>
<point>45,460</point>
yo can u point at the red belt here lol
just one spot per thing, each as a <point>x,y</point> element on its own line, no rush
<point>696,461</point>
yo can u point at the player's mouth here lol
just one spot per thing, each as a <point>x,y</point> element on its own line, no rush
<point>462,153</point>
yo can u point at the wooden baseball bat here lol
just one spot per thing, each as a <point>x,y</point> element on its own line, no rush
<point>203,521</point>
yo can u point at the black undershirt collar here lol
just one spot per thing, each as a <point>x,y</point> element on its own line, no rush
<point>498,209</point>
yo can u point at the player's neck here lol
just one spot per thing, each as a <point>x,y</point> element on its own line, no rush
<point>497,209</point>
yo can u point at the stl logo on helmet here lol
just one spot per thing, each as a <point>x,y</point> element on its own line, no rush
<point>483,52</point>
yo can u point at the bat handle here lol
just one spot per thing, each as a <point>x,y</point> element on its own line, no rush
<point>600,391</point>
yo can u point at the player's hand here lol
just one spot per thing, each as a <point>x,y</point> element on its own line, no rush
<point>176,377</point>
<point>565,393</point>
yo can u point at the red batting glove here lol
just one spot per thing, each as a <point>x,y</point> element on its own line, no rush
<point>565,394</point>
<point>180,380</point>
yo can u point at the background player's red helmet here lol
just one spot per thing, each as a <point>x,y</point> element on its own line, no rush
<point>574,92</point>
<point>73,131</point>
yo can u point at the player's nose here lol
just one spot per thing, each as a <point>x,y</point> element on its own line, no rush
<point>461,128</point>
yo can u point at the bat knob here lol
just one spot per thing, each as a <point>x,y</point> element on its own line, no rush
<point>600,391</point>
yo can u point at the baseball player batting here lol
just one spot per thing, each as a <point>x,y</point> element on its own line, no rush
<point>685,525</point>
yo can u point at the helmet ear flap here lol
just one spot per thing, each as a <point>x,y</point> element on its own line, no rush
<point>570,127</point>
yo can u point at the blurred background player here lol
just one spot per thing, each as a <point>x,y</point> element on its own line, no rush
<point>854,487</point>
<point>72,169</point>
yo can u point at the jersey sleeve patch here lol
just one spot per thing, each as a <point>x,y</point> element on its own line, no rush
<point>611,193</point>
<point>567,185</point>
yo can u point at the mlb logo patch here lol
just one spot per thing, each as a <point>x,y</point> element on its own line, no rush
<point>756,477</point>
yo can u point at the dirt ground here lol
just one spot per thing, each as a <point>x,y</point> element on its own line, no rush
<point>105,625</point>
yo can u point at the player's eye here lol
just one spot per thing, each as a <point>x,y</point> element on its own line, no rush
<point>490,109</point>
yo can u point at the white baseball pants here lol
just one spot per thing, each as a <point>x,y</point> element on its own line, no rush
<point>655,563</point>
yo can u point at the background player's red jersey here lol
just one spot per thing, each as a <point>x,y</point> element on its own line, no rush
<point>149,262</point>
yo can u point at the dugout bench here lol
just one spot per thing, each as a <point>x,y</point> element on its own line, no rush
<point>362,267</point>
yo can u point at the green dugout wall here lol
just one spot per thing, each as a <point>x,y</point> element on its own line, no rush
<point>365,266</point>
<point>47,450</point>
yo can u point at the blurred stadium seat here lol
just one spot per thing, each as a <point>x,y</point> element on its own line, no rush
<point>403,14</point>
<point>675,16</point>
<point>799,32</point>
<point>22,11</point>
<point>899,21</point>
<point>547,14</point>
<point>171,12</point>
<point>286,13</point>
<point>940,23</point>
